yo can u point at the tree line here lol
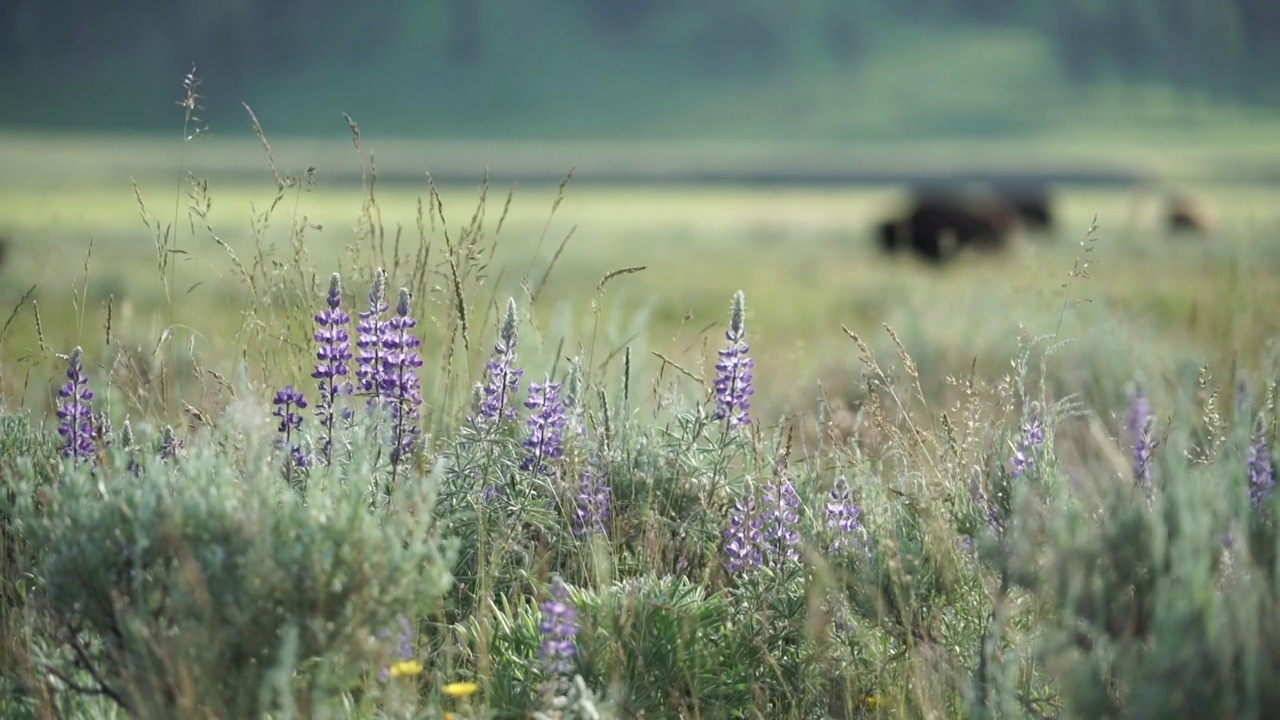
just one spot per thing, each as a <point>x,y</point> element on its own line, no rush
<point>1228,48</point>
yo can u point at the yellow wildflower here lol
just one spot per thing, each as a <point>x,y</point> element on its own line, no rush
<point>460,689</point>
<point>406,669</point>
<point>871,702</point>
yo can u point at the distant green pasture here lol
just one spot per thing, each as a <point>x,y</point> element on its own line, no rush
<point>804,257</point>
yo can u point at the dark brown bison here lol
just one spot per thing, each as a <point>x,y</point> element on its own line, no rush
<point>1032,200</point>
<point>1184,215</point>
<point>940,224</point>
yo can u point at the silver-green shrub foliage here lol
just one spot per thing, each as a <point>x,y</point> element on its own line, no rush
<point>206,586</point>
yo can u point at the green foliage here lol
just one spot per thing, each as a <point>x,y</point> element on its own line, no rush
<point>207,587</point>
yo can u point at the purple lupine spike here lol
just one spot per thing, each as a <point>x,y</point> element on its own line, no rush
<point>170,445</point>
<point>334,355</point>
<point>559,626</point>
<point>399,382</point>
<point>369,331</point>
<point>592,503</point>
<point>287,401</point>
<point>547,419</point>
<point>743,538</point>
<point>404,647</point>
<point>1260,469</point>
<point>843,516</point>
<point>734,370</point>
<point>781,507</point>
<point>1141,422</point>
<point>502,378</point>
<point>74,413</point>
<point>1031,440</point>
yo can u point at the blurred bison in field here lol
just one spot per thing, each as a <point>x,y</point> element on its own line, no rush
<point>939,224</point>
<point>1032,200</point>
<point>1185,215</point>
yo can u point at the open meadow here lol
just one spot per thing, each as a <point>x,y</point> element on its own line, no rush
<point>576,473</point>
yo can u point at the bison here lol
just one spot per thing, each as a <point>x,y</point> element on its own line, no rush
<point>1032,201</point>
<point>941,223</point>
<point>1184,215</point>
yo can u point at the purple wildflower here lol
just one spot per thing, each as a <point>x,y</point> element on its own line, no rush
<point>331,371</point>
<point>592,500</point>
<point>287,401</point>
<point>399,380</point>
<point>547,420</point>
<point>1261,472</point>
<point>502,378</point>
<point>559,626</point>
<point>369,362</point>
<point>170,445</point>
<point>1141,421</point>
<point>733,371</point>
<point>76,426</point>
<point>743,537</point>
<point>781,516</point>
<point>843,516</point>
<point>404,649</point>
<point>1032,439</point>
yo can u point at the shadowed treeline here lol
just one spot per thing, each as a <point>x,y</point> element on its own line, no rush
<point>499,67</point>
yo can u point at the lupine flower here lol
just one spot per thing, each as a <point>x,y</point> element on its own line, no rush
<point>1140,425</point>
<point>592,500</point>
<point>400,376</point>
<point>502,378</point>
<point>331,371</point>
<point>743,538</point>
<point>1031,440</point>
<point>733,371</point>
<point>287,401</point>
<point>559,626</point>
<point>170,445</point>
<point>547,420</point>
<point>843,516</point>
<point>404,651</point>
<point>781,507</point>
<point>76,426</point>
<point>1261,472</point>
<point>369,363</point>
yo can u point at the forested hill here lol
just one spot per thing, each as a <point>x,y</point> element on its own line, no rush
<point>621,68</point>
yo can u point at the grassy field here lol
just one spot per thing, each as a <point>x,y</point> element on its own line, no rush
<point>998,572</point>
<point>803,255</point>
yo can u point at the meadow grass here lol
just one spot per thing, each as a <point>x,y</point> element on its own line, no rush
<point>1032,485</point>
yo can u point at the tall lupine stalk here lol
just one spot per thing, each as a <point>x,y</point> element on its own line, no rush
<point>399,381</point>
<point>369,361</point>
<point>74,412</point>
<point>1141,422</point>
<point>1029,442</point>
<point>559,626</point>
<point>331,371</point>
<point>502,377</point>
<point>843,516</point>
<point>733,371</point>
<point>1261,473</point>
<point>781,506</point>
<point>743,539</point>
<point>287,402</point>
<point>544,446</point>
<point>592,501</point>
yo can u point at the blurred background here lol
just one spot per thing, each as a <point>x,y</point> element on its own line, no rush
<point>625,69</point>
<point>724,144</point>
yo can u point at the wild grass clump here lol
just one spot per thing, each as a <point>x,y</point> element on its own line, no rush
<point>406,495</point>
